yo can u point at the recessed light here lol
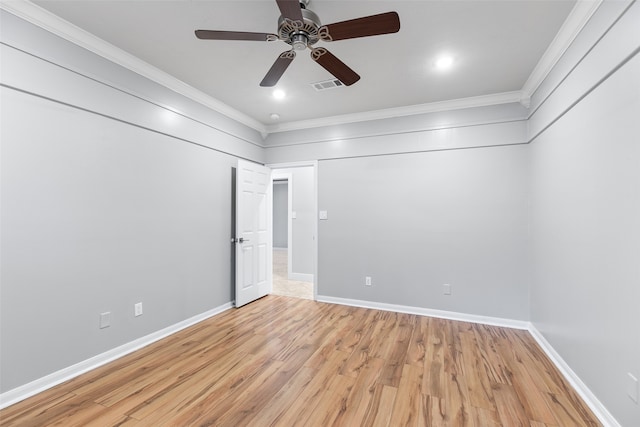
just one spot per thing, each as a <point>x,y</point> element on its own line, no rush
<point>274,116</point>
<point>279,94</point>
<point>444,62</point>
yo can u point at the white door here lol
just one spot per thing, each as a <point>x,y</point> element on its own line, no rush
<point>253,239</point>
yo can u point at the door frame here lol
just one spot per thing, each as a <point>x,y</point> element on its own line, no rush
<point>314,165</point>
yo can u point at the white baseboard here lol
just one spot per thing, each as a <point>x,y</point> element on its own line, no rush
<point>451,315</point>
<point>598,409</point>
<point>41,384</point>
<point>301,277</point>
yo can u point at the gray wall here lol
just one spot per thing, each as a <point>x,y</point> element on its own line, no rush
<point>415,222</point>
<point>585,292</point>
<point>280,214</point>
<point>108,199</point>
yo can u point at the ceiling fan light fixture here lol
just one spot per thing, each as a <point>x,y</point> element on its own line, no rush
<point>299,42</point>
<point>279,94</point>
<point>444,62</point>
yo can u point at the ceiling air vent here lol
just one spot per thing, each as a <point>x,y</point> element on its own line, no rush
<point>327,84</point>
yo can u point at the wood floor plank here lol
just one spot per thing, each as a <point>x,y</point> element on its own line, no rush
<point>331,405</point>
<point>250,394</point>
<point>356,331</point>
<point>458,403</point>
<point>382,345</point>
<point>567,413</point>
<point>485,418</point>
<point>381,407</point>
<point>417,351</point>
<point>510,409</point>
<point>308,398</point>
<point>34,407</point>
<point>479,385</point>
<point>362,352</point>
<point>408,402</point>
<point>434,376</point>
<point>176,377</point>
<point>394,362</point>
<point>281,361</point>
<point>362,397</point>
<point>253,400</point>
<point>492,360</point>
<point>281,402</point>
<point>174,398</point>
<point>433,411</point>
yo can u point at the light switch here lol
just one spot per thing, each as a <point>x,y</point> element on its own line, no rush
<point>105,319</point>
<point>294,215</point>
<point>323,215</point>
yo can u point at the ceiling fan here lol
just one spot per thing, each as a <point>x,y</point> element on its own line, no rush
<point>301,28</point>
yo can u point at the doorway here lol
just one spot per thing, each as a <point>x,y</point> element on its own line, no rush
<point>294,230</point>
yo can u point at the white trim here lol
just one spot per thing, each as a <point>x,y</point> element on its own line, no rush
<point>580,387</point>
<point>410,110</point>
<point>54,24</point>
<point>41,384</point>
<point>450,315</point>
<point>315,229</point>
<point>301,164</point>
<point>577,19</point>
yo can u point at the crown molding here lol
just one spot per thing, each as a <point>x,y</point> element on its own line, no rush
<point>410,110</point>
<point>46,20</point>
<point>577,19</point>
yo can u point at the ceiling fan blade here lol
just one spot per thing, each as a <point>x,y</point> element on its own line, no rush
<point>333,65</point>
<point>234,35</point>
<point>278,68</point>
<point>374,25</point>
<point>290,9</point>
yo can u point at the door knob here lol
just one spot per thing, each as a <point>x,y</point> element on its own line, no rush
<point>239,240</point>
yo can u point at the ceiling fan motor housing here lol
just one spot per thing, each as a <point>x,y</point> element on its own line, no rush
<point>299,34</point>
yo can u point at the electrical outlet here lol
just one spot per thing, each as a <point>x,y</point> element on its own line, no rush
<point>105,319</point>
<point>137,309</point>
<point>367,281</point>
<point>446,289</point>
<point>632,387</point>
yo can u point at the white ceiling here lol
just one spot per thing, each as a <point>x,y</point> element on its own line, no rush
<point>496,45</point>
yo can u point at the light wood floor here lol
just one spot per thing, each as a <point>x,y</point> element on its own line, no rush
<point>287,361</point>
